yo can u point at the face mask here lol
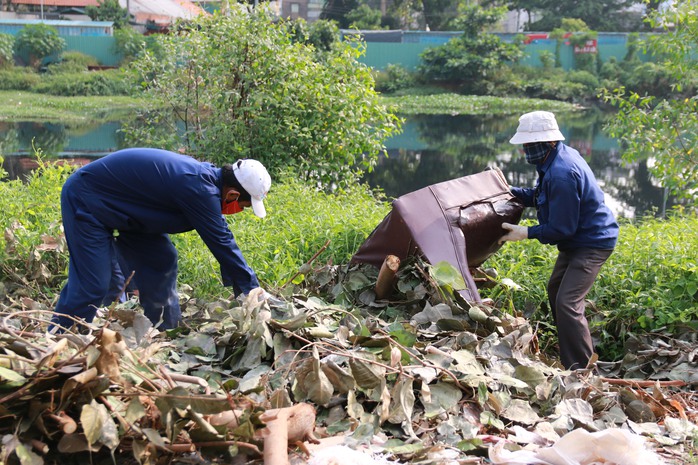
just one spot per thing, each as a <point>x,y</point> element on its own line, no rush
<point>536,152</point>
<point>231,208</point>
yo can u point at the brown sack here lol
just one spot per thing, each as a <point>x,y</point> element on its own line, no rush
<point>457,221</point>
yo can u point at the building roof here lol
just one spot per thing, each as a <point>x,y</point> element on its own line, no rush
<point>49,3</point>
<point>162,11</point>
<point>159,11</point>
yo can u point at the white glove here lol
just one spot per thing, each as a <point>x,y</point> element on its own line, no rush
<point>262,295</point>
<point>516,233</point>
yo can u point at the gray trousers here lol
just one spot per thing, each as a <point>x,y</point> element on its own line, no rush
<point>573,275</point>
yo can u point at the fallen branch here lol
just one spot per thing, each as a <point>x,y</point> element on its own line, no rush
<point>67,424</point>
<point>644,383</point>
<point>312,259</point>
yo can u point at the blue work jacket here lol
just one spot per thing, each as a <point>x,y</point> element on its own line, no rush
<point>569,203</point>
<point>152,191</point>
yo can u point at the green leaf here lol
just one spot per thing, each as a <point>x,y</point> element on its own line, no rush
<point>446,275</point>
<point>92,422</point>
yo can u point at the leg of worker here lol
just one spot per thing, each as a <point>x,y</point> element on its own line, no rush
<point>153,259</point>
<point>574,336</point>
<point>90,262</point>
<point>116,284</point>
<point>555,280</point>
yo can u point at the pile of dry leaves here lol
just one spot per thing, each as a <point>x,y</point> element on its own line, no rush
<point>423,378</point>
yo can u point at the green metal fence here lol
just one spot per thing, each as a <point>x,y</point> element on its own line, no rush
<point>405,53</point>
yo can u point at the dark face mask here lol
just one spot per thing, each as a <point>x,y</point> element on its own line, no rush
<point>536,152</point>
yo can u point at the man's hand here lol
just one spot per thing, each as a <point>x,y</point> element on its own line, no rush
<point>262,295</point>
<point>516,233</point>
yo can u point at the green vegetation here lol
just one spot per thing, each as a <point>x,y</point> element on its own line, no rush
<point>27,106</point>
<point>457,104</point>
<point>243,85</point>
<point>468,61</point>
<point>38,41</point>
<point>7,42</point>
<point>650,283</point>
<point>660,126</point>
<point>108,10</point>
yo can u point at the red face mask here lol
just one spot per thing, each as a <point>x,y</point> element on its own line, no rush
<point>231,208</point>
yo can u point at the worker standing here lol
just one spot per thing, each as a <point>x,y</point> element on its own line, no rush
<point>573,216</point>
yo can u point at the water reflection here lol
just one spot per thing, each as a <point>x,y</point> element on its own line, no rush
<point>445,147</point>
<point>431,149</point>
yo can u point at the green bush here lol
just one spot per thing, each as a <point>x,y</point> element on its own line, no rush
<point>36,42</point>
<point>130,44</point>
<point>109,82</point>
<point>241,85</point>
<point>585,78</point>
<point>7,42</point>
<point>72,62</point>
<point>18,78</point>
<point>556,90</point>
<point>394,78</point>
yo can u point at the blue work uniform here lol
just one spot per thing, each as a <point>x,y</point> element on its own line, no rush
<point>118,212</point>
<point>570,205</point>
<point>572,215</point>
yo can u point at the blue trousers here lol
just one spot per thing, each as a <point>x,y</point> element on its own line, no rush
<point>99,261</point>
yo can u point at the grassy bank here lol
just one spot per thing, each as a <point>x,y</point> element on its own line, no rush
<point>27,106</point>
<point>455,104</point>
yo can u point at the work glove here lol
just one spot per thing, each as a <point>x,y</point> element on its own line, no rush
<point>516,233</point>
<point>262,295</point>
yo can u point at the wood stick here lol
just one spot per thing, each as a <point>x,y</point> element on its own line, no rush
<point>309,262</point>
<point>644,382</point>
<point>276,439</point>
<point>67,424</point>
<point>40,447</point>
<point>386,277</point>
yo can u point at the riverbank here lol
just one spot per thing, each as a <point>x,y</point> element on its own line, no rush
<point>28,106</point>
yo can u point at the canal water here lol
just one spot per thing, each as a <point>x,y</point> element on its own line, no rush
<point>430,149</point>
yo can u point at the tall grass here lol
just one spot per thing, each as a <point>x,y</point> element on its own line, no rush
<point>300,221</point>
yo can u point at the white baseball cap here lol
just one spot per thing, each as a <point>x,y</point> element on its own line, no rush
<point>254,178</point>
<point>537,126</point>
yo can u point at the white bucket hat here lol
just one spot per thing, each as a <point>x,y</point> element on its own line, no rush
<point>537,126</point>
<point>254,178</point>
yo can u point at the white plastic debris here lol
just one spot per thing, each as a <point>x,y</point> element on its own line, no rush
<point>343,455</point>
<point>580,447</point>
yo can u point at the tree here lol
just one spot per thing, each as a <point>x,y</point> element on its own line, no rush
<point>38,41</point>
<point>665,129</point>
<point>336,10</point>
<point>472,58</point>
<point>364,17</point>
<point>598,15</point>
<point>242,86</point>
<point>109,10</point>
